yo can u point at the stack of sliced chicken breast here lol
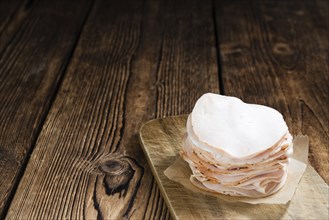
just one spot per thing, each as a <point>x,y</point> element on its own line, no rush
<point>236,148</point>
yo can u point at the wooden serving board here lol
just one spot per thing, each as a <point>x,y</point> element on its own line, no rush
<point>161,139</point>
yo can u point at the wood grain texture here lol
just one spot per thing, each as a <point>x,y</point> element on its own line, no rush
<point>276,53</point>
<point>12,14</point>
<point>7,10</point>
<point>188,66</point>
<point>134,61</point>
<point>30,69</point>
<point>162,140</point>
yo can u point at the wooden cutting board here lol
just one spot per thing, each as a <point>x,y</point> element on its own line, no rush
<point>161,139</point>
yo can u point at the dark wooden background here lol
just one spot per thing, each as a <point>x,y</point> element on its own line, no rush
<point>79,78</point>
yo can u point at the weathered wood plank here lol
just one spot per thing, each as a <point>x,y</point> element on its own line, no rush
<point>30,69</point>
<point>7,9</point>
<point>189,67</point>
<point>133,62</point>
<point>12,14</point>
<point>276,53</point>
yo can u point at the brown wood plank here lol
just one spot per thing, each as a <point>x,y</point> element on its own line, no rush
<point>134,62</point>
<point>7,10</point>
<point>12,15</point>
<point>276,53</point>
<point>30,70</point>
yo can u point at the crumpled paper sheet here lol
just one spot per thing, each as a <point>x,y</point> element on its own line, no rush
<point>180,172</point>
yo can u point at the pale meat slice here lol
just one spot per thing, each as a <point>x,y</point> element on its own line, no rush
<point>244,179</point>
<point>225,158</point>
<point>236,148</point>
<point>210,163</point>
<point>197,163</point>
<point>256,192</point>
<point>255,189</point>
<point>281,152</point>
<point>234,127</point>
<point>240,178</point>
<point>258,179</point>
<point>203,166</point>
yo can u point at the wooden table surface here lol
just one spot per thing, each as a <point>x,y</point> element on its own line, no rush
<point>79,78</point>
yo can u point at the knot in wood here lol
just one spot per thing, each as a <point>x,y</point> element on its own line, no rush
<point>115,167</point>
<point>118,174</point>
<point>232,48</point>
<point>283,49</point>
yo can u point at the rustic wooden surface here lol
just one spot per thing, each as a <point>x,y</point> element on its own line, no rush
<point>12,13</point>
<point>127,68</point>
<point>277,55</point>
<point>7,10</point>
<point>162,140</point>
<point>79,78</point>
<point>31,68</point>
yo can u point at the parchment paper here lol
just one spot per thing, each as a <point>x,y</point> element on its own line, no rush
<point>180,172</point>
